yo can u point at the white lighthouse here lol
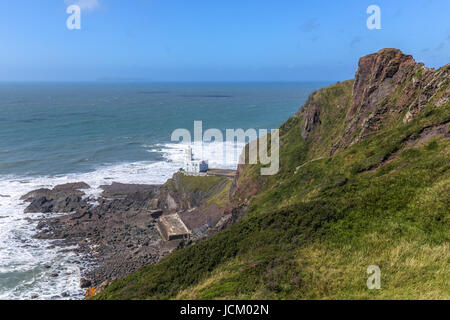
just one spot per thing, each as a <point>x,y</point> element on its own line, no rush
<point>194,166</point>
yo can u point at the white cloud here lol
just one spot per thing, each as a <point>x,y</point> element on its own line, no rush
<point>88,5</point>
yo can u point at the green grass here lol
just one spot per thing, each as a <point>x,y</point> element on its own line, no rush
<point>221,198</point>
<point>194,183</point>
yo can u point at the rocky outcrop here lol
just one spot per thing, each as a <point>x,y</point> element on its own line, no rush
<point>120,197</point>
<point>311,116</point>
<point>389,87</point>
<point>429,86</point>
<point>63,198</point>
<point>377,77</point>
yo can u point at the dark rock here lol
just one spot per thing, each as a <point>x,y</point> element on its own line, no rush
<point>155,214</point>
<point>39,205</point>
<point>62,198</point>
<point>85,283</point>
<point>39,193</point>
<point>70,187</point>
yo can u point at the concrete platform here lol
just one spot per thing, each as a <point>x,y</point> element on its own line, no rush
<point>171,227</point>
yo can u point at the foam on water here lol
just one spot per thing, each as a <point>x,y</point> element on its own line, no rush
<point>32,268</point>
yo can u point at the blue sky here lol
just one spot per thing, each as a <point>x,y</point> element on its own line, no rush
<point>212,40</point>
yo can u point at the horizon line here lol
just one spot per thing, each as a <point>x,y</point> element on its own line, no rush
<point>170,81</point>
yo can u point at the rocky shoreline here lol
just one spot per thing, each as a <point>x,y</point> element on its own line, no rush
<point>117,232</point>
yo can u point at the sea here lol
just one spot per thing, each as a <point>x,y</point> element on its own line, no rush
<point>104,132</point>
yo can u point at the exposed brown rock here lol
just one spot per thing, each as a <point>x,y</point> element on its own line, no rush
<point>311,116</point>
<point>377,76</point>
<point>388,86</point>
<point>436,131</point>
<point>428,86</point>
<point>440,130</point>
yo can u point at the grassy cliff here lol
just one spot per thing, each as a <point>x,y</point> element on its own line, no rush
<point>364,180</point>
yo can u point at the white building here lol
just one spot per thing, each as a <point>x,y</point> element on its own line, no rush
<point>194,166</point>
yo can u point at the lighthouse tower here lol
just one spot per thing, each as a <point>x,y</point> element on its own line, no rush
<point>194,166</point>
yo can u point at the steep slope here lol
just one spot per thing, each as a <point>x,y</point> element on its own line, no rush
<point>364,180</point>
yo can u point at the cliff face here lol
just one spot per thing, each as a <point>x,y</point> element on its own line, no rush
<point>377,77</point>
<point>389,86</point>
<point>364,179</point>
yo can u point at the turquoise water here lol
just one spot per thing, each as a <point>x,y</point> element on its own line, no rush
<point>102,132</point>
<point>49,129</point>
